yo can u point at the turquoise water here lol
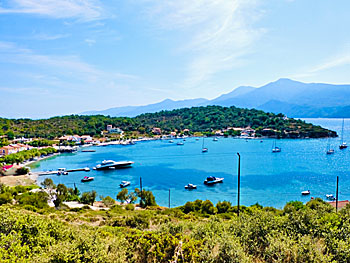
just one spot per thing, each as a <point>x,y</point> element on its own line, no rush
<point>272,179</point>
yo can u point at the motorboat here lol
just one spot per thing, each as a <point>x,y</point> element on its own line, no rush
<point>110,164</point>
<point>215,139</point>
<point>190,186</point>
<point>330,197</point>
<point>213,180</point>
<point>330,151</point>
<point>87,179</point>
<point>343,146</point>
<point>180,143</point>
<point>124,184</point>
<point>87,169</point>
<point>171,141</point>
<point>307,192</point>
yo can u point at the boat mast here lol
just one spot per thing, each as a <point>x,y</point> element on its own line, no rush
<point>342,132</point>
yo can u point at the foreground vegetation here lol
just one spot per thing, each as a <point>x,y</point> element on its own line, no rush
<point>195,232</point>
<point>196,119</point>
<point>26,155</point>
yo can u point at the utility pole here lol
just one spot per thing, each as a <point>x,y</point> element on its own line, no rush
<point>169,197</point>
<point>239,181</point>
<point>141,189</point>
<point>336,195</point>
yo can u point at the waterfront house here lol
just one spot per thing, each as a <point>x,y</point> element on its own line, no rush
<point>14,148</point>
<point>157,131</point>
<point>111,129</point>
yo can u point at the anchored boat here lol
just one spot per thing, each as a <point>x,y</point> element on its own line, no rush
<point>190,186</point>
<point>110,164</point>
<point>213,180</point>
<point>124,184</point>
<point>87,179</point>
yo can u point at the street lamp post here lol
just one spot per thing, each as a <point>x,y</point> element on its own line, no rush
<point>239,181</point>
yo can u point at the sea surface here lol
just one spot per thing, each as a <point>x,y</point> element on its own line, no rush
<point>271,179</point>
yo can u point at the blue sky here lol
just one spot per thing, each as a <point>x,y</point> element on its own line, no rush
<point>70,56</point>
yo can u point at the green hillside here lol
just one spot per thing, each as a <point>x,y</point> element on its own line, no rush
<point>196,119</point>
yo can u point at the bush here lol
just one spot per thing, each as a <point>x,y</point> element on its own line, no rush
<point>38,200</point>
<point>108,201</point>
<point>22,171</point>
<point>5,198</point>
<point>88,197</point>
<point>223,207</point>
<point>130,207</point>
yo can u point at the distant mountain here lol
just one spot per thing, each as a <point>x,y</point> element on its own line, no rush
<point>132,111</point>
<point>293,98</point>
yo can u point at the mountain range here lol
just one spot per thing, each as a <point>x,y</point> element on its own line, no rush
<point>292,98</point>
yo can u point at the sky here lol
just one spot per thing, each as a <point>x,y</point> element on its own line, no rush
<point>70,56</point>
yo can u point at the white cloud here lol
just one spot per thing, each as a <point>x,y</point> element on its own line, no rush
<point>59,71</point>
<point>90,42</point>
<point>82,10</point>
<point>338,60</point>
<point>46,37</point>
<point>219,33</point>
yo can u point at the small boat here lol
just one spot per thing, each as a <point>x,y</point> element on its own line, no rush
<point>62,171</point>
<point>305,192</point>
<point>88,151</point>
<point>343,144</point>
<point>171,141</point>
<point>204,150</point>
<point>329,149</point>
<point>124,184</point>
<point>215,139</point>
<point>213,180</point>
<point>275,149</point>
<point>190,186</point>
<point>197,139</point>
<point>87,179</point>
<point>261,141</point>
<point>330,197</point>
<point>180,143</point>
<point>110,164</point>
<point>87,169</point>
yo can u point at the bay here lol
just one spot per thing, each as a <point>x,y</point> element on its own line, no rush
<point>271,179</point>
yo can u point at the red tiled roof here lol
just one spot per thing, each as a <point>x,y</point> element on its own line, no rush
<point>341,204</point>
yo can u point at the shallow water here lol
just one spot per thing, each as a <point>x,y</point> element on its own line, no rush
<point>271,179</point>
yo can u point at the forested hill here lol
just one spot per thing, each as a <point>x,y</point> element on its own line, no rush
<point>196,119</point>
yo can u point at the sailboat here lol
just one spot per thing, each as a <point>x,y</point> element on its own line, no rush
<point>275,149</point>
<point>343,144</point>
<point>204,150</point>
<point>329,150</point>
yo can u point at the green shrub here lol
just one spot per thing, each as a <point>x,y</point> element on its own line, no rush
<point>130,207</point>
<point>5,198</point>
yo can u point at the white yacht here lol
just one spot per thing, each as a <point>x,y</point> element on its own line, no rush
<point>110,164</point>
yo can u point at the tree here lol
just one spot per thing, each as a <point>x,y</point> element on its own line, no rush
<point>108,201</point>
<point>223,206</point>
<point>88,197</point>
<point>48,184</point>
<point>208,207</point>
<point>123,195</point>
<point>146,198</point>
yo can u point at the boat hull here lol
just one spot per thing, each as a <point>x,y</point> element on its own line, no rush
<point>115,166</point>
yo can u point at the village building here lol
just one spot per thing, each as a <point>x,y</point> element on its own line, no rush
<point>156,131</point>
<point>14,148</point>
<point>111,129</point>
